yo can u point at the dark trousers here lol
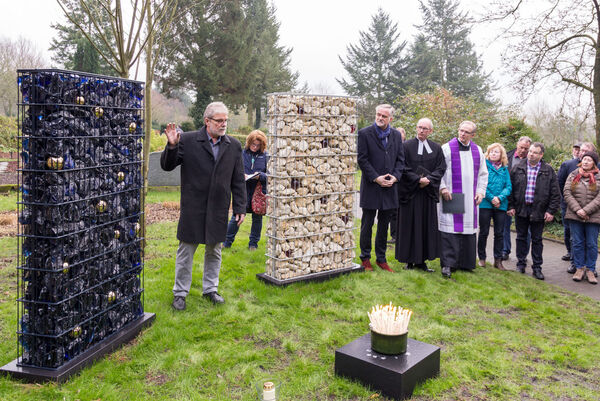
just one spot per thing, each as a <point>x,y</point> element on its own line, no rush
<point>485,217</point>
<point>366,233</point>
<point>233,228</point>
<point>506,238</point>
<point>566,229</point>
<point>523,225</point>
<point>458,251</point>
<point>394,224</point>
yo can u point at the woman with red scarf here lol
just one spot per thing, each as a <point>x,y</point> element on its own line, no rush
<point>582,196</point>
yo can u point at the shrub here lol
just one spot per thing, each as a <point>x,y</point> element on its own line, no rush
<point>8,134</point>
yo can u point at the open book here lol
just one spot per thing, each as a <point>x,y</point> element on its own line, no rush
<point>251,176</point>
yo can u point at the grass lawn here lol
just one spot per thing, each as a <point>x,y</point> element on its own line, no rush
<point>8,201</point>
<point>504,336</point>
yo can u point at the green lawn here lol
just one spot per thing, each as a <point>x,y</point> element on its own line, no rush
<point>504,336</point>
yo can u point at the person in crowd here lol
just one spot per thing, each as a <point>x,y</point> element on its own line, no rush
<point>381,160</point>
<point>495,203</point>
<point>394,217</point>
<point>514,157</point>
<point>419,237</point>
<point>582,196</point>
<point>466,174</point>
<point>575,151</point>
<point>534,199</point>
<point>211,172</point>
<point>565,169</point>
<point>255,169</point>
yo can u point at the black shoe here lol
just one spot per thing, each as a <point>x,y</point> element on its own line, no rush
<point>446,271</point>
<point>424,267</point>
<point>521,269</point>
<point>178,303</point>
<point>537,273</point>
<point>214,297</point>
<point>567,256</point>
<point>409,266</point>
<point>572,269</point>
<point>505,256</point>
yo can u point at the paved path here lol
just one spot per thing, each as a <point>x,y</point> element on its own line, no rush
<point>554,268</point>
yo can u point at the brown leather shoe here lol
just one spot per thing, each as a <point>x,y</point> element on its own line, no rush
<point>366,263</point>
<point>498,264</point>
<point>579,274</point>
<point>481,263</point>
<point>591,278</point>
<point>385,266</point>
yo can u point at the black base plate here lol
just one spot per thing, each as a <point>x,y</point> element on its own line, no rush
<point>72,367</point>
<point>394,375</point>
<point>320,276</point>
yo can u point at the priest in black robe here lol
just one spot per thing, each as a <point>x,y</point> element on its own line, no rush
<point>418,237</point>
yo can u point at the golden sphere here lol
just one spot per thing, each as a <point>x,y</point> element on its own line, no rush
<point>99,112</point>
<point>65,268</point>
<point>117,234</point>
<point>76,332</point>
<point>55,163</point>
<point>137,228</point>
<point>120,176</point>
<point>101,207</point>
<point>132,127</point>
<point>80,100</point>
<point>112,296</point>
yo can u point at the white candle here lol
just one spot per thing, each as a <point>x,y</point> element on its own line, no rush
<point>268,391</point>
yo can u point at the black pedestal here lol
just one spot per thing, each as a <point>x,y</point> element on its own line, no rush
<point>394,375</point>
<point>70,368</point>
<point>320,276</point>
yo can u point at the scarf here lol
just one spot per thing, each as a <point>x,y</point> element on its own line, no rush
<point>383,134</point>
<point>457,179</point>
<point>590,175</point>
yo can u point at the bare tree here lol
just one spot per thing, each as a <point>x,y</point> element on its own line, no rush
<point>148,28</point>
<point>15,54</point>
<point>554,43</point>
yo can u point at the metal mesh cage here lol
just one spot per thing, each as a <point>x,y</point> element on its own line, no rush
<point>312,143</point>
<point>80,259</point>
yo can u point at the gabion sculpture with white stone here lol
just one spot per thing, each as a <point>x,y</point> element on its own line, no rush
<point>312,147</point>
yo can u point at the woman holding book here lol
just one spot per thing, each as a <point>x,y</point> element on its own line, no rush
<point>255,168</point>
<point>495,203</point>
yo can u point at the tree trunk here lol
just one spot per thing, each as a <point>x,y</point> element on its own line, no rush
<point>147,118</point>
<point>596,87</point>
<point>250,113</point>
<point>258,118</point>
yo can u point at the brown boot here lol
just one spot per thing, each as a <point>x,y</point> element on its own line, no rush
<point>591,278</point>
<point>579,274</point>
<point>498,264</point>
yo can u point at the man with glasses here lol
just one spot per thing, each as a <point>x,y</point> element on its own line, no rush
<point>462,188</point>
<point>418,237</point>
<point>534,199</point>
<point>211,172</point>
<point>381,160</point>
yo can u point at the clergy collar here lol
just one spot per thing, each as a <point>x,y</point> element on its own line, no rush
<point>462,146</point>
<point>423,144</point>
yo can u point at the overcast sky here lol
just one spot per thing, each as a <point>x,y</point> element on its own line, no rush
<point>317,30</point>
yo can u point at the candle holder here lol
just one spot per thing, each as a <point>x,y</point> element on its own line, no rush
<point>268,389</point>
<point>389,344</point>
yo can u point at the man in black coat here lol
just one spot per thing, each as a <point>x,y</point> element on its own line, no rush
<point>534,200</point>
<point>514,157</point>
<point>211,172</point>
<point>565,169</point>
<point>381,160</point>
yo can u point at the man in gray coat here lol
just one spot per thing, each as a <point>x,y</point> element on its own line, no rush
<point>211,172</point>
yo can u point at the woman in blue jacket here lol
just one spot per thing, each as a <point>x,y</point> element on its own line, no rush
<point>495,203</point>
<point>255,161</point>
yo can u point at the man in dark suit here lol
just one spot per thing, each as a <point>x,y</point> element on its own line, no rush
<point>514,156</point>
<point>565,169</point>
<point>534,200</point>
<point>211,172</point>
<point>381,160</point>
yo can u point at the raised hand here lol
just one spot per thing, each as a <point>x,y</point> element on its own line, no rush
<point>172,134</point>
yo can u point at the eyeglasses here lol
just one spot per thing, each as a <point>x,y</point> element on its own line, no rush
<point>464,131</point>
<point>219,121</point>
<point>423,128</point>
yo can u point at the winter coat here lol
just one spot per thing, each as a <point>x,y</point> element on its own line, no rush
<point>259,165</point>
<point>207,185</point>
<point>582,197</point>
<point>546,197</point>
<point>498,185</point>
<point>374,160</point>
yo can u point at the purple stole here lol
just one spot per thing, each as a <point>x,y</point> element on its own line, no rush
<point>457,179</point>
